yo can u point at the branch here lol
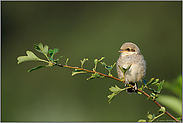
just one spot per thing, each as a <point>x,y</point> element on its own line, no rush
<point>117,80</point>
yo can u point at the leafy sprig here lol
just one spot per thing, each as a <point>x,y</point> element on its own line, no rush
<point>152,117</point>
<point>32,57</point>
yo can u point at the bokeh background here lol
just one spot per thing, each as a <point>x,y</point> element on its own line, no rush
<point>84,30</point>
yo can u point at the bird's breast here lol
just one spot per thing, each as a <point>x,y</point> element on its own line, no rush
<point>137,70</point>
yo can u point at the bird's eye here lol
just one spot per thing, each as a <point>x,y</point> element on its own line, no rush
<point>128,49</point>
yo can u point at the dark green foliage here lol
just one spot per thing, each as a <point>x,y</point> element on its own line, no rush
<point>52,52</point>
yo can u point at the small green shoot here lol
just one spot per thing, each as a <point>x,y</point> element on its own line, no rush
<point>83,61</point>
<point>66,61</point>
<point>109,68</point>
<point>124,69</point>
<point>96,61</point>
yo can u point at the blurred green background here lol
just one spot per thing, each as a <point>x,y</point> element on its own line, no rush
<point>90,30</point>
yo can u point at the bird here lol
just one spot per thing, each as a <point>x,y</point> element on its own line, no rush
<point>130,56</point>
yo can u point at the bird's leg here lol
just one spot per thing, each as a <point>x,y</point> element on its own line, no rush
<point>135,87</point>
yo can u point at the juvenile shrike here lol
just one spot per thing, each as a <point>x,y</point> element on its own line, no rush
<point>130,55</point>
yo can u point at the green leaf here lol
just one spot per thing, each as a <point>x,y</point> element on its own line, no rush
<point>111,96</point>
<point>141,120</point>
<point>139,93</point>
<point>179,118</point>
<point>35,68</point>
<point>83,61</point>
<point>115,91</point>
<point>30,57</point>
<point>76,71</point>
<point>150,116</point>
<point>153,81</point>
<point>95,75</point>
<point>140,89</point>
<point>160,86</point>
<point>153,96</point>
<point>41,49</point>
<point>150,81</point>
<point>162,110</point>
<point>52,52</point>
<point>108,67</point>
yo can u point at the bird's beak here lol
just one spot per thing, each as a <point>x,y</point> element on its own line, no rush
<point>120,51</point>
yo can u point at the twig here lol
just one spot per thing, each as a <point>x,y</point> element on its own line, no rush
<point>120,81</point>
